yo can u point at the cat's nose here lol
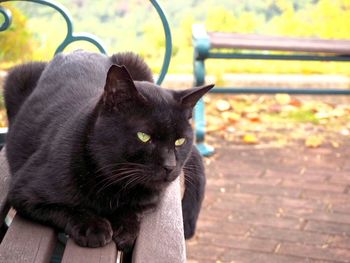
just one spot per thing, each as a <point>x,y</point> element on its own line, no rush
<point>169,161</point>
<point>169,168</point>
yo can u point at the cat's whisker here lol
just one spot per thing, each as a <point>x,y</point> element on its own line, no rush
<point>124,165</point>
<point>116,178</point>
<point>136,180</point>
<point>190,181</point>
<point>119,172</point>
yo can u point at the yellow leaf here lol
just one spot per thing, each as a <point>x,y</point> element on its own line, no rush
<point>314,141</point>
<point>339,112</point>
<point>232,117</point>
<point>250,138</point>
<point>322,115</point>
<point>283,99</point>
<point>335,144</point>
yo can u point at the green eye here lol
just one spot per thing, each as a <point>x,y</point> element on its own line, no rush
<point>180,141</point>
<point>143,137</point>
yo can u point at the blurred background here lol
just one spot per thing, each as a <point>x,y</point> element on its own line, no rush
<point>278,184</point>
<point>134,25</point>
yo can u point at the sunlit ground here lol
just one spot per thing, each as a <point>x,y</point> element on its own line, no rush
<point>279,120</point>
<point>276,121</point>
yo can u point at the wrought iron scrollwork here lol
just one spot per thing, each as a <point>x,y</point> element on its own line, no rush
<point>73,37</point>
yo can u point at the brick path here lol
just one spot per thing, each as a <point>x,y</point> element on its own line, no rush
<point>275,205</point>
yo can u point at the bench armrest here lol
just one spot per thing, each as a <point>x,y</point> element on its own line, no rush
<point>161,237</point>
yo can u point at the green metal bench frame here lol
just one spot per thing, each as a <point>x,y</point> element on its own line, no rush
<point>204,49</point>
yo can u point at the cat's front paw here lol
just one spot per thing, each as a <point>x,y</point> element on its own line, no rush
<point>95,232</point>
<point>125,239</point>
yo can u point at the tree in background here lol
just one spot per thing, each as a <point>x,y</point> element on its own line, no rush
<point>324,19</point>
<point>17,42</point>
<point>133,25</point>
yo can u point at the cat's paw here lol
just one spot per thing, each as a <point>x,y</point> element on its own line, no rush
<point>125,239</point>
<point>96,232</point>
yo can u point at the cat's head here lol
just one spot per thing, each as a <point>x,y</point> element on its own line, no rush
<point>142,133</point>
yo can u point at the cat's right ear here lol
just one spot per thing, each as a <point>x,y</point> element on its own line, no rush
<point>120,92</point>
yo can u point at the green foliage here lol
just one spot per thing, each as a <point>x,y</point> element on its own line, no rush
<point>324,19</point>
<point>17,42</point>
<point>134,25</point>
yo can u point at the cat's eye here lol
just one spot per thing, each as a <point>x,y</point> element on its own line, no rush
<point>180,141</point>
<point>143,137</point>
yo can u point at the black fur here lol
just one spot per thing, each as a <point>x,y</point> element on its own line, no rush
<point>24,78</point>
<point>73,151</point>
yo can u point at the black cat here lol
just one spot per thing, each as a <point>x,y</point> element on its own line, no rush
<point>93,141</point>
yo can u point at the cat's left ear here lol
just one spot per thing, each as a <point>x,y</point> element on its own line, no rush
<point>120,91</point>
<point>190,97</point>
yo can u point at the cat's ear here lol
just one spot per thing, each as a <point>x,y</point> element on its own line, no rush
<point>190,97</point>
<point>120,91</point>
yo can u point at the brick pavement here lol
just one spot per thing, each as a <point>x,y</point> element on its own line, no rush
<point>275,205</point>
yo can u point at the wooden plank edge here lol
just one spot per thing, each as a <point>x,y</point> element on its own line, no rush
<point>27,241</point>
<point>76,254</point>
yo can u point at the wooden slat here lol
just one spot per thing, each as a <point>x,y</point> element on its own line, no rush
<point>165,226</point>
<point>263,42</point>
<point>27,242</point>
<point>4,180</point>
<point>76,254</point>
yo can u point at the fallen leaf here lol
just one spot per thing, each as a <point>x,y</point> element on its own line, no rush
<point>275,108</point>
<point>294,102</point>
<point>213,128</point>
<point>344,132</point>
<point>314,141</point>
<point>322,115</point>
<point>283,98</point>
<point>335,144</point>
<point>231,129</point>
<point>254,117</point>
<point>223,105</point>
<point>281,142</point>
<point>339,112</point>
<point>232,117</point>
<point>250,138</point>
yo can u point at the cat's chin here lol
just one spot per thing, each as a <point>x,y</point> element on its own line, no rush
<point>162,183</point>
<point>157,184</point>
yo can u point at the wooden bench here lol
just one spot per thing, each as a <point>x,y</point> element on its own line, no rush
<point>218,45</point>
<point>23,241</point>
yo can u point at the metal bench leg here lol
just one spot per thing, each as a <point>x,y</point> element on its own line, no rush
<point>199,118</point>
<point>199,111</point>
